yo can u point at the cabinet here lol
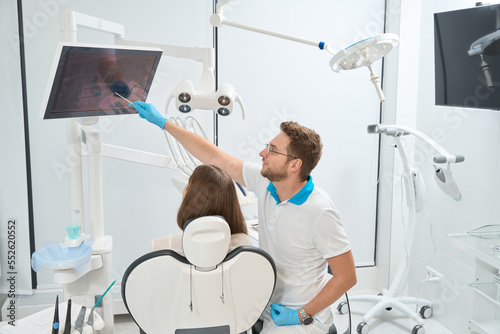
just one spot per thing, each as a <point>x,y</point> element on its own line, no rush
<point>485,290</point>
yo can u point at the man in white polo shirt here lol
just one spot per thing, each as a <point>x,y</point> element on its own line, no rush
<point>299,225</point>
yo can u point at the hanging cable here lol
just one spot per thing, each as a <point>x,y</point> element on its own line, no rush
<point>348,330</point>
<point>428,279</point>
<point>431,233</point>
<point>432,240</point>
<point>222,287</point>
<point>191,287</point>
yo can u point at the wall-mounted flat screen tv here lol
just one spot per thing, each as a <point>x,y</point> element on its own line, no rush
<point>88,80</point>
<point>467,57</point>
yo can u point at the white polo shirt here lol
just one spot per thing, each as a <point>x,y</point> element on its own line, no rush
<point>299,234</point>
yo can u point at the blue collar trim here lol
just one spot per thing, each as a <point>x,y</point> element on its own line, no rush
<point>299,197</point>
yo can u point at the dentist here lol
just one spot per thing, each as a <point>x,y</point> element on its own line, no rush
<point>299,226</point>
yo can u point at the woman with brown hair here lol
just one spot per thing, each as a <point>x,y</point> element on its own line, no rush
<point>209,192</point>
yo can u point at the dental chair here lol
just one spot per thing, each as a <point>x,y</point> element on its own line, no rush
<point>205,291</point>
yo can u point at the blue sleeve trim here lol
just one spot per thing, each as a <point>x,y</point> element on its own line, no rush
<point>321,45</point>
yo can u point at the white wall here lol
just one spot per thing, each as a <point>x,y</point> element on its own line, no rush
<point>473,133</point>
<point>281,80</point>
<point>14,192</point>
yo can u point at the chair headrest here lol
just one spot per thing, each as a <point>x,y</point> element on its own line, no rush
<point>206,241</point>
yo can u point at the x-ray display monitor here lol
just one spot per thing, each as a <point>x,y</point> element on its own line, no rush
<point>88,80</point>
<point>467,57</point>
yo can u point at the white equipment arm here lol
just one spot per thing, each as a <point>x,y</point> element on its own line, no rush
<point>398,130</point>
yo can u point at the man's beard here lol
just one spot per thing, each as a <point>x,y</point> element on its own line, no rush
<point>275,175</point>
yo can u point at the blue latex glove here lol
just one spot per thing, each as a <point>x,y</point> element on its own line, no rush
<point>149,112</point>
<point>284,316</point>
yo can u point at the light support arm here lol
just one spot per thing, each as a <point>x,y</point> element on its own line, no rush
<point>362,53</point>
<point>218,20</point>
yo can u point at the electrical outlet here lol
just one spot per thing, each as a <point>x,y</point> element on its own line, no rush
<point>431,273</point>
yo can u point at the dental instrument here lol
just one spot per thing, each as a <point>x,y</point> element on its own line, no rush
<point>90,320</point>
<point>446,182</point>
<point>67,323</point>
<point>80,319</point>
<point>104,294</point>
<point>177,152</point>
<point>130,102</point>
<point>55,322</point>
<point>362,53</point>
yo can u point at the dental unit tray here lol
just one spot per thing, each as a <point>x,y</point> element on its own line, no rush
<point>491,231</point>
<point>54,256</point>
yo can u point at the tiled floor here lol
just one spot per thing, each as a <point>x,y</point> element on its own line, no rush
<point>388,323</point>
<point>125,325</point>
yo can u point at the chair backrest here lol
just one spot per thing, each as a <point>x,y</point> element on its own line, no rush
<point>204,292</point>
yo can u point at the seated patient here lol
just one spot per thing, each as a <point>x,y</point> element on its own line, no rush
<point>210,191</point>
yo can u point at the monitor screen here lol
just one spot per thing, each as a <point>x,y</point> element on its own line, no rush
<point>467,57</point>
<point>88,80</point>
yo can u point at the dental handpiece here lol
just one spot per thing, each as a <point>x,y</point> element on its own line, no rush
<point>80,319</point>
<point>90,320</point>
<point>67,323</point>
<point>116,93</point>
<point>55,322</point>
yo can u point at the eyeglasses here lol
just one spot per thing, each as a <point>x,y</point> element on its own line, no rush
<point>268,151</point>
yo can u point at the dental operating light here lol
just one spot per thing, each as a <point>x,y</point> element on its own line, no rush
<point>363,53</point>
<point>221,101</point>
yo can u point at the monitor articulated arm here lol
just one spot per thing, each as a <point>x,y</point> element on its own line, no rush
<point>70,20</point>
<point>204,55</point>
<point>206,96</point>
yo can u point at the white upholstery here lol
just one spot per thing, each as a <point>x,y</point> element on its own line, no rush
<point>205,241</point>
<point>159,287</point>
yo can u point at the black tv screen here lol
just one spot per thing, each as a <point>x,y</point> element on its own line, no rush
<point>467,57</point>
<point>86,80</point>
